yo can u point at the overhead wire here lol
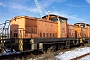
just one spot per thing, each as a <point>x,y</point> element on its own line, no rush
<point>45,9</point>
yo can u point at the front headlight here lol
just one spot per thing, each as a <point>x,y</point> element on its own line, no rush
<point>1,41</point>
<point>4,41</point>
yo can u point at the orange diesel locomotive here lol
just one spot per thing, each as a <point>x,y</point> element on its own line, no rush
<point>31,33</point>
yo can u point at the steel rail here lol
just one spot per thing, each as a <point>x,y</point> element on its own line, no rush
<point>79,57</point>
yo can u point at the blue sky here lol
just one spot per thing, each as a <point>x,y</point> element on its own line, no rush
<point>74,10</point>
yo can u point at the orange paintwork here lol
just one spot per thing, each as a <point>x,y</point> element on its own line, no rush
<point>63,28</point>
<point>71,31</point>
<point>33,27</point>
<point>82,30</point>
<point>78,32</point>
<point>30,27</point>
<point>15,23</point>
<point>87,31</point>
<point>84,34</point>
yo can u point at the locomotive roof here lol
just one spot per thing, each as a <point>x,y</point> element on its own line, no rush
<point>80,23</point>
<point>83,23</point>
<point>40,19</point>
<point>87,24</point>
<point>55,16</point>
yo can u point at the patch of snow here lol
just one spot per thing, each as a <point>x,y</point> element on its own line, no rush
<point>73,53</point>
<point>8,52</point>
<point>31,59</point>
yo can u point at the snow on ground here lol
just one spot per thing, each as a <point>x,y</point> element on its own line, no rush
<point>8,52</point>
<point>73,53</point>
<point>65,55</point>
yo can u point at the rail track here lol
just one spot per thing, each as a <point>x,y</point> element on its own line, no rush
<point>29,53</point>
<point>79,57</point>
